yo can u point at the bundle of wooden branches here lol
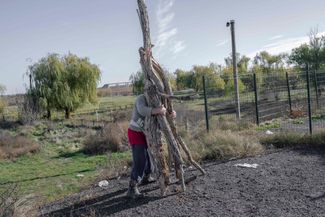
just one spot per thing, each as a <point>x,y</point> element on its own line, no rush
<point>158,92</point>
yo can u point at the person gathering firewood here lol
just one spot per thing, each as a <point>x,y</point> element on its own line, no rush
<point>141,165</point>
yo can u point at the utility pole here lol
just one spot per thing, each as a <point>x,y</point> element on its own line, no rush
<point>231,23</point>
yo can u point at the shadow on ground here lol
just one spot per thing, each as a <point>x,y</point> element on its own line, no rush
<point>113,202</point>
<point>315,151</point>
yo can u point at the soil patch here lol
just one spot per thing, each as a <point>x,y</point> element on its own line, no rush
<point>285,183</point>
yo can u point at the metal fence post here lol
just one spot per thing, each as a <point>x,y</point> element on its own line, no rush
<point>309,103</point>
<point>256,101</point>
<point>289,92</point>
<point>316,89</point>
<point>205,104</point>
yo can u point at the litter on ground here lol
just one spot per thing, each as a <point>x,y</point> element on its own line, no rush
<point>103,184</point>
<point>246,165</point>
<point>269,132</point>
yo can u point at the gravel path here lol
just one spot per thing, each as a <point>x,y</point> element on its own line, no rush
<point>285,183</point>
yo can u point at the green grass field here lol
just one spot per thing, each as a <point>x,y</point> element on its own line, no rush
<point>104,103</point>
<point>60,168</point>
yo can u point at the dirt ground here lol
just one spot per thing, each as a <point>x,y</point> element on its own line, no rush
<point>285,183</point>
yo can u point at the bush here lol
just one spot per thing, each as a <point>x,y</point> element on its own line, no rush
<point>283,140</point>
<point>112,138</point>
<point>230,87</point>
<point>219,145</point>
<point>15,146</point>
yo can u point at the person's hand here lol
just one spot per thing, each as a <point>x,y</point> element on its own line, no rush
<point>173,114</point>
<point>159,111</point>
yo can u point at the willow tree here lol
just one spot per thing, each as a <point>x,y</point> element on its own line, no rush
<point>137,80</point>
<point>46,82</point>
<point>79,84</point>
<point>63,83</point>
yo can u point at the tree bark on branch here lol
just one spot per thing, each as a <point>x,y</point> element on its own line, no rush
<point>158,92</point>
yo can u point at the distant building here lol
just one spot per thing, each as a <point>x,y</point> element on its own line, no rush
<point>118,84</point>
<point>116,89</point>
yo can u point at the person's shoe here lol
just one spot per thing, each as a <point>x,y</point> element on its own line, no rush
<point>133,191</point>
<point>147,179</point>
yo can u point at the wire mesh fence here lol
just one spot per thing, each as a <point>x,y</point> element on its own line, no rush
<point>282,96</point>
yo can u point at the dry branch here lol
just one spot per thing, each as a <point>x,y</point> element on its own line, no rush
<point>158,92</point>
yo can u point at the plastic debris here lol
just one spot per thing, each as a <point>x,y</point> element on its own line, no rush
<point>246,165</point>
<point>103,184</point>
<point>80,175</point>
<point>269,132</point>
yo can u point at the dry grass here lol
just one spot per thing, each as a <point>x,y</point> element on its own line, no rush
<point>8,198</point>
<point>230,124</point>
<point>297,112</point>
<point>283,140</point>
<point>116,167</point>
<point>15,146</point>
<point>291,139</point>
<point>112,138</point>
<point>114,91</point>
<point>122,116</point>
<point>220,144</point>
<point>14,205</point>
<point>27,206</point>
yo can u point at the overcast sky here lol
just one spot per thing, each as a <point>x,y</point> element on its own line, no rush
<point>185,32</point>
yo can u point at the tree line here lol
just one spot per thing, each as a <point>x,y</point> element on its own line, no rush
<point>264,64</point>
<point>64,83</point>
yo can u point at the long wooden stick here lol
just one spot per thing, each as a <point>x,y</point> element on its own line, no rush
<point>157,87</point>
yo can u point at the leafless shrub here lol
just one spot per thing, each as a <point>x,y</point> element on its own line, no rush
<point>297,112</point>
<point>29,111</point>
<point>8,198</point>
<point>112,138</point>
<point>121,116</point>
<point>15,146</point>
<point>27,206</point>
